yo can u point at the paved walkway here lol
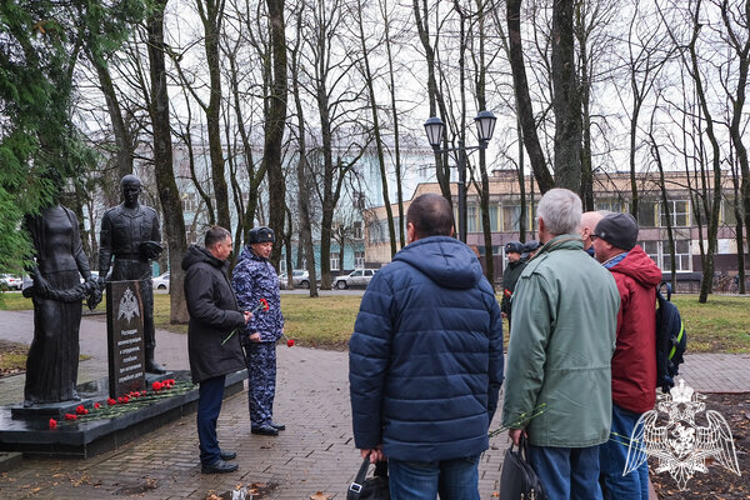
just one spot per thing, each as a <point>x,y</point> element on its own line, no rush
<point>316,453</point>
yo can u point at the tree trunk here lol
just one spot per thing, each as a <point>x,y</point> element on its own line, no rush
<point>174,221</point>
<point>211,16</point>
<point>566,101</point>
<point>523,99</point>
<point>303,175</point>
<point>421,17</point>
<point>276,122</point>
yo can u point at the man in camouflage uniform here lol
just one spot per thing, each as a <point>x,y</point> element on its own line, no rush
<point>254,279</point>
<point>130,232</point>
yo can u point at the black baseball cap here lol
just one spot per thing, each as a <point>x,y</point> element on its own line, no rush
<point>619,230</point>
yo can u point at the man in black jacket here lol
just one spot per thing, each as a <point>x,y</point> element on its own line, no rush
<point>213,338</point>
<point>513,251</point>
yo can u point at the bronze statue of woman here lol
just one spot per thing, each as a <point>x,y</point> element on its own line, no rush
<point>52,364</point>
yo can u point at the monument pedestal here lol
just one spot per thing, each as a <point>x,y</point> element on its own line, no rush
<point>33,437</point>
<point>49,410</point>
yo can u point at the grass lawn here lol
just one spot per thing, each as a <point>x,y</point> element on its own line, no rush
<point>722,325</point>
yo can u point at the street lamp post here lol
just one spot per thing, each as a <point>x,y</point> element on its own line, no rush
<point>485,122</point>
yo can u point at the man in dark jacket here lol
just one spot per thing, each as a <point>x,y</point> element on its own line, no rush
<point>213,338</point>
<point>634,361</point>
<point>426,361</point>
<point>513,251</point>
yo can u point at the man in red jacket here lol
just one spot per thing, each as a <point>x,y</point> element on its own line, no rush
<point>634,361</point>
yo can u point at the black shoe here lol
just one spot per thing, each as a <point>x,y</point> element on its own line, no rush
<point>227,455</point>
<point>219,467</point>
<point>154,367</point>
<point>265,430</point>
<point>278,427</point>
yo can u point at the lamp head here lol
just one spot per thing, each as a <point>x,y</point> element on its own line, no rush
<point>434,128</point>
<point>485,122</point>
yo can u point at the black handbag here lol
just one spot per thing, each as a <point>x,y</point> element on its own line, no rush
<point>370,488</point>
<point>518,479</point>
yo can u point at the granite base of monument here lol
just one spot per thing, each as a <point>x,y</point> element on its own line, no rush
<point>49,410</point>
<point>33,437</point>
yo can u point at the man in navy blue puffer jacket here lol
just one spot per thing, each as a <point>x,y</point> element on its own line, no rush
<point>426,361</point>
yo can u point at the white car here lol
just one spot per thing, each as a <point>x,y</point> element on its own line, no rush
<point>357,278</point>
<point>161,282</point>
<point>10,282</point>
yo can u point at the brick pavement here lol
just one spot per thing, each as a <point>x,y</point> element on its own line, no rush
<point>316,453</point>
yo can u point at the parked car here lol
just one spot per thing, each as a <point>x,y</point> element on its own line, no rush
<point>161,282</point>
<point>10,282</point>
<point>356,278</point>
<point>301,278</point>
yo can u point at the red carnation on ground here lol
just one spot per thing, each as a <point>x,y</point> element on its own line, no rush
<point>157,386</point>
<point>126,399</point>
<point>81,410</point>
<point>290,342</point>
<point>111,401</point>
<point>143,393</point>
<point>52,423</point>
<point>69,416</point>
<point>97,406</point>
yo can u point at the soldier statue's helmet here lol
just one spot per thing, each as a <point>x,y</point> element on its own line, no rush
<point>262,234</point>
<point>514,247</point>
<point>531,246</point>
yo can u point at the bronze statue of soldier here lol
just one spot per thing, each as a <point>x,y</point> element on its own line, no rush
<point>130,233</point>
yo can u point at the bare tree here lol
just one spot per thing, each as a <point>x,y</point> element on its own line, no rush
<point>523,99</point>
<point>276,120</point>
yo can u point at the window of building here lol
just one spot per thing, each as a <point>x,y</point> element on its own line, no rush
<point>681,255</point>
<point>335,261</point>
<point>357,230</point>
<point>679,213</point>
<point>189,202</point>
<point>659,253</point>
<point>511,218</point>
<point>472,219</point>
<point>611,205</point>
<point>359,259</point>
<point>728,217</point>
<point>494,218</point>
<point>647,213</point>
<point>375,232</point>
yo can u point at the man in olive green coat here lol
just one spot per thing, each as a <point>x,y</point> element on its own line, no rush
<point>558,382</point>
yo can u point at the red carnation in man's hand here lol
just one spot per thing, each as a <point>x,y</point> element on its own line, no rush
<point>266,307</point>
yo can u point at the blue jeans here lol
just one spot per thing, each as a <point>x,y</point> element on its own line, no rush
<point>456,479</point>
<point>210,396</point>
<point>567,472</point>
<point>613,455</point>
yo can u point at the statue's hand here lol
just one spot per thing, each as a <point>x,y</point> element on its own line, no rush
<point>42,285</point>
<point>150,249</point>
